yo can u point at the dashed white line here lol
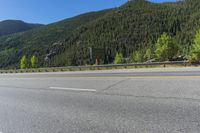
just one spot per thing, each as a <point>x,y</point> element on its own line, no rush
<point>73,89</point>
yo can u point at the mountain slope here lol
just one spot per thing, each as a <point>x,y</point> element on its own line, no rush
<point>135,26</point>
<point>14,26</point>
<point>37,41</point>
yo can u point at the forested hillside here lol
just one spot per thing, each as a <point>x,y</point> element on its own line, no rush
<point>131,29</point>
<point>37,41</point>
<point>14,26</point>
<point>134,27</point>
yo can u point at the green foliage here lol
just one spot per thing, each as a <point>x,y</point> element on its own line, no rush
<point>165,48</point>
<point>137,57</point>
<point>195,52</point>
<point>162,46</point>
<point>34,62</point>
<point>23,62</point>
<point>148,54</point>
<point>119,59</point>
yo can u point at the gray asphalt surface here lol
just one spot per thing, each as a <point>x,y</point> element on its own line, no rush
<point>116,101</point>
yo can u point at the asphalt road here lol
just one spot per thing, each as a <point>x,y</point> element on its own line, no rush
<point>116,101</point>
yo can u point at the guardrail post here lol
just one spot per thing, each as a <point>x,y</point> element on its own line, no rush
<point>185,64</point>
<point>164,65</point>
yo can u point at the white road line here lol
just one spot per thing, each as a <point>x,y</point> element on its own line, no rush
<point>73,89</point>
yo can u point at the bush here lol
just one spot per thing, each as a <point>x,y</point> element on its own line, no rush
<point>119,59</point>
<point>136,57</point>
<point>148,54</point>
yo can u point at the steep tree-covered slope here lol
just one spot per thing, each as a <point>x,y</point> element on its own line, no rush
<point>135,26</point>
<point>37,41</point>
<point>14,26</point>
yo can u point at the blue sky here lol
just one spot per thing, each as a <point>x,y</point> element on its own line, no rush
<point>48,11</point>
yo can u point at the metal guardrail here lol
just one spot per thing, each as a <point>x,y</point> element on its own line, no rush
<point>72,68</point>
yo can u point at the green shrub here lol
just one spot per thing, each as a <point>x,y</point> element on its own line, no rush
<point>119,59</point>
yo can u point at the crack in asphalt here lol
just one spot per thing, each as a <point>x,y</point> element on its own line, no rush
<point>103,92</point>
<point>113,85</point>
<point>152,97</point>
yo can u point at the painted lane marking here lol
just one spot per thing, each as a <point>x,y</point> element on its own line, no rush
<point>73,89</point>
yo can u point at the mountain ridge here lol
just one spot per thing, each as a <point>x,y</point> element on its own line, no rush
<point>8,27</point>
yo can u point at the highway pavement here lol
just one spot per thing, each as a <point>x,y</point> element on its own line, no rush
<point>154,100</point>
